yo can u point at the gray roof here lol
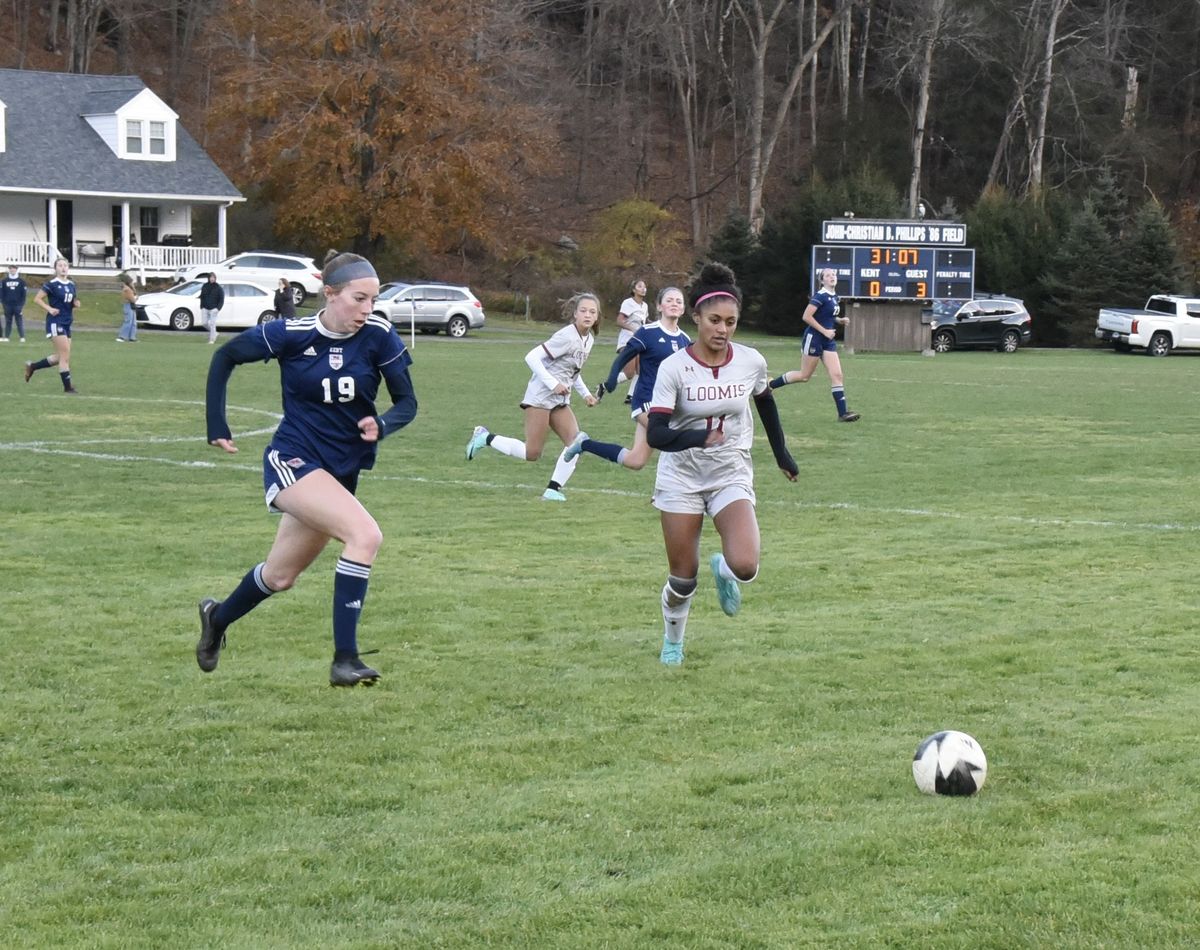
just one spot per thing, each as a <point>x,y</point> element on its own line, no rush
<point>49,146</point>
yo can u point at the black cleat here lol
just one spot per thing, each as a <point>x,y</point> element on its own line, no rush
<point>350,671</point>
<point>600,391</point>
<point>208,650</point>
<point>629,400</point>
<point>849,417</point>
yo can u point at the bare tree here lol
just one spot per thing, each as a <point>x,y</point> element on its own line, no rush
<point>761,20</point>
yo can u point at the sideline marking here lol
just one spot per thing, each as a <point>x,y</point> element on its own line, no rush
<point>927,513</point>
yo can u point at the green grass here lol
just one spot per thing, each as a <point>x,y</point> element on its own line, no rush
<point>1005,545</point>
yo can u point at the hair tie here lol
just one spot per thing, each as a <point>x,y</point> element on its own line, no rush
<point>714,293</point>
<point>355,270</point>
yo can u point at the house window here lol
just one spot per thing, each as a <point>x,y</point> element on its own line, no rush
<point>133,136</point>
<point>158,138</point>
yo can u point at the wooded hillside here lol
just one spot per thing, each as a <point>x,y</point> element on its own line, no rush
<point>529,140</point>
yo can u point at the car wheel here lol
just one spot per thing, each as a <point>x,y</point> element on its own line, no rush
<point>1010,341</point>
<point>267,316</point>
<point>458,327</point>
<point>298,295</point>
<point>943,341</point>
<point>1160,344</point>
<point>182,320</point>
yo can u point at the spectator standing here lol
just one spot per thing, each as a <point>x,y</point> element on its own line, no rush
<point>285,304</point>
<point>128,331</point>
<point>13,292</point>
<point>212,299</point>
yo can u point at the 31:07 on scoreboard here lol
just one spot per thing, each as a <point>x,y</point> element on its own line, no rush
<point>896,272</point>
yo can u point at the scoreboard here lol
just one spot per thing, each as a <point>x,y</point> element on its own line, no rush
<point>896,272</point>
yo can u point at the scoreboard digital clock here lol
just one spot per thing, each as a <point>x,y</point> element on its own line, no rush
<point>896,272</point>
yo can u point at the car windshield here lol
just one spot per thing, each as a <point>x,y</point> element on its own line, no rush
<point>390,290</point>
<point>946,307</point>
<point>189,289</point>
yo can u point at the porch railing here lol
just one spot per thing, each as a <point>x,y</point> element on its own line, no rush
<point>147,259</point>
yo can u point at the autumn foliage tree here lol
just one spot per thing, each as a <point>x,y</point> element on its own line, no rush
<point>369,123</point>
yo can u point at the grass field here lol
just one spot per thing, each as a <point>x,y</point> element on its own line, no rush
<point>1006,545</point>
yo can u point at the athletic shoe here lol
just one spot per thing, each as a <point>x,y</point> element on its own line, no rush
<point>72,391</point>
<point>122,339</point>
<point>350,671</point>
<point>600,391</point>
<point>28,371</point>
<point>728,592</point>
<point>849,417</point>
<point>553,494</point>
<point>629,400</point>
<point>478,441</point>
<point>3,339</point>
<point>22,339</point>
<point>572,451</point>
<point>672,653</point>
<point>208,650</point>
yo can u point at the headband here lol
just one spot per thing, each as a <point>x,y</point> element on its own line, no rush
<point>348,272</point>
<point>715,293</point>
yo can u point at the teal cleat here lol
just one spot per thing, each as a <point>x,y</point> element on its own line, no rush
<point>478,440</point>
<point>551,494</point>
<point>728,592</point>
<point>672,653</point>
<point>572,451</point>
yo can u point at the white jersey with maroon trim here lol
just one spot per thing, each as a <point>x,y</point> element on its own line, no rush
<point>700,396</point>
<point>563,356</point>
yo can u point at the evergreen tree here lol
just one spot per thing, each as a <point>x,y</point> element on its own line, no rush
<point>1109,203</point>
<point>1085,274</point>
<point>1013,240</point>
<point>1150,256</point>
<point>735,244</point>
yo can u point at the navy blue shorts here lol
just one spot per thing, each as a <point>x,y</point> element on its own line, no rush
<point>54,328</point>
<point>816,344</point>
<point>281,470</point>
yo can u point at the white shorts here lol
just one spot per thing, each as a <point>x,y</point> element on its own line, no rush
<point>710,503</point>
<point>539,397</point>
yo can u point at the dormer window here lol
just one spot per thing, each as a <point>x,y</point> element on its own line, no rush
<point>145,138</point>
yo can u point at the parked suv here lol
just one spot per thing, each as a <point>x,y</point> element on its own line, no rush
<point>430,307</point>
<point>267,267</point>
<point>992,321</point>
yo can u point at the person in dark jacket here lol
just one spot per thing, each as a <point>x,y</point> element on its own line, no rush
<point>12,293</point>
<point>285,304</point>
<point>212,299</point>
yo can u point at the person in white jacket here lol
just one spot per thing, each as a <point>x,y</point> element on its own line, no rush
<point>556,366</point>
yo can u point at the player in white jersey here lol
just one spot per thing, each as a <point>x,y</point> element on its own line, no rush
<point>631,317</point>
<point>700,420</point>
<point>556,366</point>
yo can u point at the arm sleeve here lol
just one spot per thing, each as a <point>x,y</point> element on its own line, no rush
<point>581,387</point>
<point>246,347</point>
<point>404,398</point>
<point>661,436</point>
<point>627,353</point>
<point>768,412</point>
<point>533,359</point>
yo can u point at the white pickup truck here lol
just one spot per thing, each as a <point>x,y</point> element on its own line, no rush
<point>1166,323</point>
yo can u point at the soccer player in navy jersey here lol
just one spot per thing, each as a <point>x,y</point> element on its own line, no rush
<point>59,299</point>
<point>330,366</point>
<point>651,344</point>
<point>700,420</point>
<point>821,319</point>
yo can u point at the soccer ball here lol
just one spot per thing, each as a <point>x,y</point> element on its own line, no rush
<point>949,763</point>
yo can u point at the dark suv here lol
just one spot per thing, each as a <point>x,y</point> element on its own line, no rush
<point>989,321</point>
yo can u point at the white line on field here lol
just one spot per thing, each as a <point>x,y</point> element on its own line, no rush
<point>928,513</point>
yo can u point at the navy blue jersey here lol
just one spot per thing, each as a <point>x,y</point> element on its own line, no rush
<point>828,307</point>
<point>12,292</point>
<point>653,344</point>
<point>60,294</point>
<point>329,381</point>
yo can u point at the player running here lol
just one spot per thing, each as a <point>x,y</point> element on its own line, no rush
<point>700,420</point>
<point>822,317</point>
<point>650,345</point>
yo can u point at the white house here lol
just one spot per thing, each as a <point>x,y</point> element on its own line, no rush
<point>98,169</point>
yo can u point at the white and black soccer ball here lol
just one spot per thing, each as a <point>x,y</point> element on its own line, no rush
<point>949,763</point>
